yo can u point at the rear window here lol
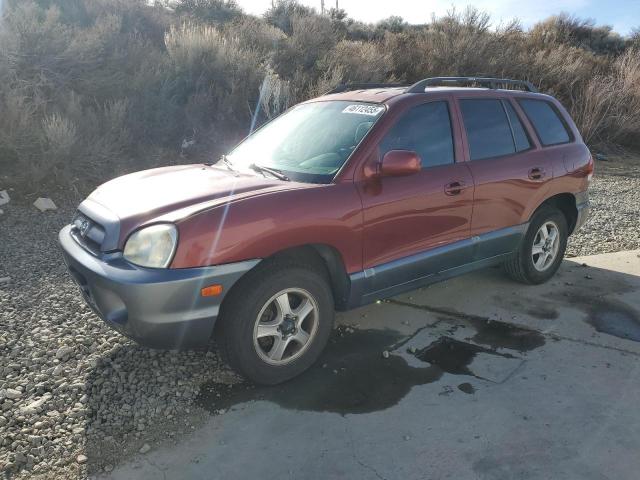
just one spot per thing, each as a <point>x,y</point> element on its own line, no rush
<point>546,120</point>
<point>487,127</point>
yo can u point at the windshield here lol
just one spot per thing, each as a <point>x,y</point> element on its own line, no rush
<point>310,142</point>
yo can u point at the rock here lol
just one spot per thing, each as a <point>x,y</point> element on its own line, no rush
<point>4,280</point>
<point>4,197</point>
<point>108,468</point>
<point>36,405</point>
<point>44,204</point>
<point>145,448</point>
<point>63,352</point>
<point>385,354</point>
<point>12,393</point>
<point>81,459</point>
<point>58,370</point>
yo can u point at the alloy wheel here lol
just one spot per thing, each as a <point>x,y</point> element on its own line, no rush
<point>546,244</point>
<point>286,326</point>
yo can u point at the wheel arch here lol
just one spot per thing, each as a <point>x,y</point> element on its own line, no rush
<point>567,204</point>
<point>322,257</point>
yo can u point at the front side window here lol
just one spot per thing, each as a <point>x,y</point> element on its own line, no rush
<point>426,130</point>
<point>488,131</point>
<point>545,119</point>
<point>310,142</point>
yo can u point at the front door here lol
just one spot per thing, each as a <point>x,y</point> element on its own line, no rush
<point>411,222</point>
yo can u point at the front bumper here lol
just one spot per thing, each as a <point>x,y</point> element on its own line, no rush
<point>158,308</point>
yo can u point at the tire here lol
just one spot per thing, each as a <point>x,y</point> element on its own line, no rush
<point>530,268</point>
<point>248,330</point>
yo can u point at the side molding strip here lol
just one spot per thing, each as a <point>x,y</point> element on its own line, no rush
<point>434,265</point>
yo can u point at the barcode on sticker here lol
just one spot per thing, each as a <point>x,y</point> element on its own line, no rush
<point>372,110</point>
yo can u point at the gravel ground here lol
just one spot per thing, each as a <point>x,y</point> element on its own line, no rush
<point>614,223</point>
<point>76,398</point>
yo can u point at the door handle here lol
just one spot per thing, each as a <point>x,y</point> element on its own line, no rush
<point>536,173</point>
<point>454,188</point>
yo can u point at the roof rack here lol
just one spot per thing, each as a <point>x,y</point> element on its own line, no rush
<point>419,87</point>
<point>347,87</point>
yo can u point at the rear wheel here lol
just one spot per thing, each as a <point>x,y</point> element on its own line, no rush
<point>542,248</point>
<point>276,322</point>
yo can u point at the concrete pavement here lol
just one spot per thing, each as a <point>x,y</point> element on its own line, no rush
<point>485,379</point>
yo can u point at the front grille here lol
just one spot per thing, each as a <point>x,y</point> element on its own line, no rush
<point>88,233</point>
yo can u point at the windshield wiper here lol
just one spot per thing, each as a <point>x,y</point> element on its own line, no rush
<point>228,163</point>
<point>276,173</point>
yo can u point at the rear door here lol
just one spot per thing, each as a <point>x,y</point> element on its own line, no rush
<point>407,217</point>
<point>508,170</point>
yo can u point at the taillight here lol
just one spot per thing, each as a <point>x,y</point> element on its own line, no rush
<point>589,168</point>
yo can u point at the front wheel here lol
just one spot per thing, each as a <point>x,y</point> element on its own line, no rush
<point>542,248</point>
<point>276,322</point>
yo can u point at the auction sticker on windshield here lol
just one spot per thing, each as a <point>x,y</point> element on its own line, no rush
<point>371,110</point>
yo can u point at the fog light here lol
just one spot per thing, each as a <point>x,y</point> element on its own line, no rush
<point>211,291</point>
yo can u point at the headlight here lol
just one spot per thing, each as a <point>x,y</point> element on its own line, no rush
<point>152,246</point>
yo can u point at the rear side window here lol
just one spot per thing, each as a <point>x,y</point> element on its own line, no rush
<point>426,130</point>
<point>487,126</point>
<point>519,135</point>
<point>546,120</point>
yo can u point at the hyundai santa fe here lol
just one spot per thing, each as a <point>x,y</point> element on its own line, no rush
<point>358,195</point>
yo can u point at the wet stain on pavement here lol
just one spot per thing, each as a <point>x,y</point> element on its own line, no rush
<point>496,334</point>
<point>467,388</point>
<point>353,377</point>
<point>615,318</point>
<point>606,315</point>
<point>492,333</point>
<point>350,377</point>
<point>454,356</point>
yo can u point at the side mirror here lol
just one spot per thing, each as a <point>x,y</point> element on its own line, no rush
<point>398,163</point>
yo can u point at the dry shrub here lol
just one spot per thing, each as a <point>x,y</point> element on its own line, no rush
<point>608,111</point>
<point>255,35</point>
<point>215,76</point>
<point>275,95</point>
<point>359,61</point>
<point>61,135</point>
<point>89,87</point>
<point>582,33</point>
<point>311,39</point>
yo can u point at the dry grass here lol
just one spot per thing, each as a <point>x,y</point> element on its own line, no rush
<point>87,85</point>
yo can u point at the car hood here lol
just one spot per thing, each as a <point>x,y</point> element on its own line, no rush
<point>171,193</point>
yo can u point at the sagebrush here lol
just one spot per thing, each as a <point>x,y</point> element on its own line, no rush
<point>93,88</point>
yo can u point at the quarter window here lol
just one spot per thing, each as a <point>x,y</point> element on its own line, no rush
<point>519,135</point>
<point>545,119</point>
<point>426,130</point>
<point>487,126</point>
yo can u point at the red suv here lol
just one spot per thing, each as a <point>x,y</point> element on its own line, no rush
<point>361,194</point>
